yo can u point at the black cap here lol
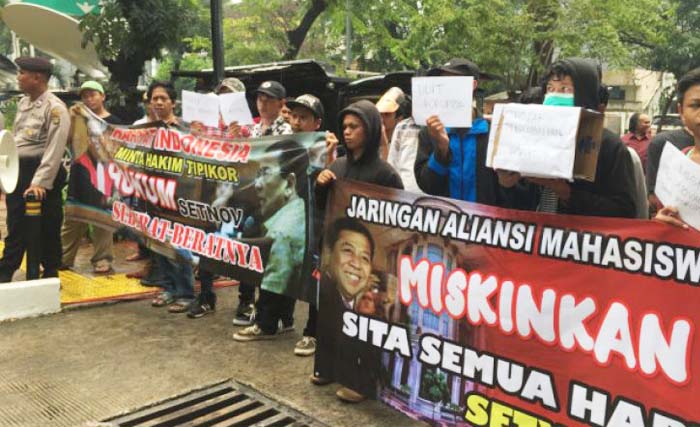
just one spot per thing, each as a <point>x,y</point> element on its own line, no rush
<point>273,89</point>
<point>460,66</point>
<point>310,102</point>
<point>33,63</point>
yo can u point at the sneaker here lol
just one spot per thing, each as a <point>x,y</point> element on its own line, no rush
<point>305,346</point>
<point>282,329</point>
<point>252,333</point>
<point>245,315</point>
<point>200,309</point>
<point>349,396</point>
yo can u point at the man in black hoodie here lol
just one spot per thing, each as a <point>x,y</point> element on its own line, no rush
<point>575,82</point>
<point>361,124</point>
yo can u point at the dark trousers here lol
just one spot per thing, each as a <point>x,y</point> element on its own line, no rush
<point>271,309</point>
<point>310,329</point>
<point>17,226</point>
<point>246,293</point>
<point>206,294</point>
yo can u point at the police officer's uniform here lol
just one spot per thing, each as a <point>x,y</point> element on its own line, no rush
<point>41,131</point>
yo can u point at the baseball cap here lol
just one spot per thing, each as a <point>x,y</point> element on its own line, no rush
<point>273,89</point>
<point>92,85</point>
<point>34,63</point>
<point>308,101</point>
<point>391,100</point>
<point>232,84</point>
<point>461,66</point>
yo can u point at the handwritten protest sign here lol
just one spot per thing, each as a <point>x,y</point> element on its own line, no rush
<point>677,184</point>
<point>197,107</point>
<point>234,108</point>
<point>545,141</point>
<point>450,98</point>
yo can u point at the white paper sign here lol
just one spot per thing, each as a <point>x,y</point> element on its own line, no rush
<point>450,98</point>
<point>197,107</point>
<point>234,108</point>
<point>677,184</point>
<point>534,140</point>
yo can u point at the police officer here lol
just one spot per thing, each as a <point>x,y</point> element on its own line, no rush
<point>41,131</point>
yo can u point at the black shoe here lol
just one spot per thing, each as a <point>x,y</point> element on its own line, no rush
<point>5,277</point>
<point>153,284</point>
<point>199,309</point>
<point>245,315</point>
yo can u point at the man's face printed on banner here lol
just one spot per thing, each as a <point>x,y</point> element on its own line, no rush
<point>351,263</point>
<point>273,189</point>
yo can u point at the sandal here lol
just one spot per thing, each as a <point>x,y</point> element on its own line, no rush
<point>103,269</point>
<point>179,306</point>
<point>162,300</point>
<point>135,257</point>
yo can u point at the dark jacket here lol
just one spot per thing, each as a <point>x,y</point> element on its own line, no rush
<point>463,174</point>
<point>369,167</point>
<point>680,138</point>
<point>612,192</point>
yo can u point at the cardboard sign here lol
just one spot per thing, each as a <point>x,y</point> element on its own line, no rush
<point>234,108</point>
<point>677,184</point>
<point>197,107</point>
<point>545,141</point>
<point>449,98</point>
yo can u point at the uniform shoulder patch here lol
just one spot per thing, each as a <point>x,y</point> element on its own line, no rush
<point>56,115</point>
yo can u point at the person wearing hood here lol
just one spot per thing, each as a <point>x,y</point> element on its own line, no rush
<point>361,126</point>
<point>568,83</point>
<point>451,162</point>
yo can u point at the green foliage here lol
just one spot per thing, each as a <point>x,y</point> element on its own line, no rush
<point>189,62</point>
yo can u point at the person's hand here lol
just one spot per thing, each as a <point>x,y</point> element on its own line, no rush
<point>437,132</point>
<point>325,177</point>
<point>331,145</point>
<point>234,129</point>
<point>507,179</point>
<point>37,191</point>
<point>560,186</point>
<point>655,202</point>
<point>669,215</point>
<point>196,128</point>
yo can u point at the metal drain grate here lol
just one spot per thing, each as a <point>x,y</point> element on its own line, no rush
<point>228,404</point>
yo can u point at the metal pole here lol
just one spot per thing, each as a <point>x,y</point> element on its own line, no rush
<point>217,40</point>
<point>348,36</point>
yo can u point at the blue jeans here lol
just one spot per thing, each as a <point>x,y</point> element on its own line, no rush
<point>180,280</point>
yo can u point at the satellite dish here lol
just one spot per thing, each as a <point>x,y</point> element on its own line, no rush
<point>9,162</point>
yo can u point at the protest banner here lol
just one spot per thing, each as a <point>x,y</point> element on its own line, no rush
<point>545,141</point>
<point>241,206</point>
<point>449,98</point>
<point>677,184</point>
<point>463,314</point>
<point>234,108</point>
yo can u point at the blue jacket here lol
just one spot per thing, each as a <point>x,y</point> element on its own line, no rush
<point>464,175</point>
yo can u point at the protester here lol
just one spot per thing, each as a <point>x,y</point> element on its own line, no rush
<point>361,126</point>
<point>403,137</point>
<point>205,303</point>
<point>269,99</point>
<point>689,108</point>
<point>452,162</point>
<point>286,111</point>
<point>681,138</point>
<point>41,130</point>
<point>174,276</point>
<point>575,82</point>
<point>307,114</point>
<point>638,136</point>
<point>149,115</point>
<point>280,186</point>
<point>89,171</point>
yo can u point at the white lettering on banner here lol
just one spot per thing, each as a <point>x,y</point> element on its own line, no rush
<point>376,332</point>
<point>478,299</point>
<point>156,190</point>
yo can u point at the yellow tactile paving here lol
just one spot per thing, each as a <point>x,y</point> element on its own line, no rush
<point>76,287</point>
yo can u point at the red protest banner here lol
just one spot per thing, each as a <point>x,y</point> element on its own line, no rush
<point>464,314</point>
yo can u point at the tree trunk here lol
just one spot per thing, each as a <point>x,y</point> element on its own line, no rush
<point>297,36</point>
<point>125,73</point>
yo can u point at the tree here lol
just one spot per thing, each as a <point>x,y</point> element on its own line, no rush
<point>127,33</point>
